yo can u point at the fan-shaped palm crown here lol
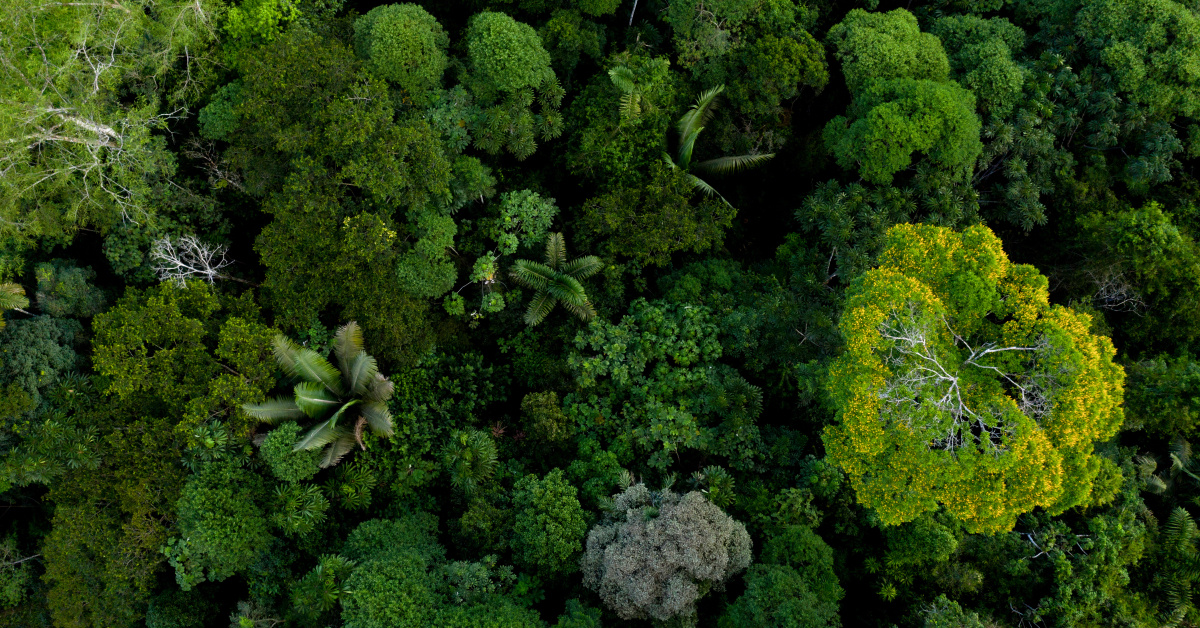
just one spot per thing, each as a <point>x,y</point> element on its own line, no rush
<point>342,400</point>
<point>556,281</point>
<point>690,126</point>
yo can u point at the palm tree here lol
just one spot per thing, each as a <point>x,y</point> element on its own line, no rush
<point>634,95</point>
<point>690,126</point>
<point>12,297</point>
<point>556,281</point>
<point>470,458</point>
<point>331,396</point>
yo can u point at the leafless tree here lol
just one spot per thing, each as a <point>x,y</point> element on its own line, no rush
<point>188,258</point>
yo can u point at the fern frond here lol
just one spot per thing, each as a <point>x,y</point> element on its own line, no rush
<point>12,297</point>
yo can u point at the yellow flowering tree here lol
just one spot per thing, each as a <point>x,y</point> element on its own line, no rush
<point>961,386</point>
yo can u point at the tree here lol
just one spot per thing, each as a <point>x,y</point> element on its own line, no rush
<point>78,149</point>
<point>36,353</point>
<point>331,396</point>
<point>283,459</point>
<point>188,258</point>
<point>221,525</point>
<point>890,120</point>
<point>505,55</point>
<point>556,281</point>
<point>405,45</point>
<point>885,46</point>
<point>549,525</point>
<point>960,385</point>
<point>65,290</point>
<point>657,553</point>
<point>980,52</point>
<point>690,126</point>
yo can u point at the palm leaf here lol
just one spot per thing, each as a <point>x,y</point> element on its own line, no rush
<point>360,372</point>
<point>273,411</point>
<point>686,144</point>
<point>556,251</point>
<point>320,435</point>
<point>315,400</point>
<point>570,293</point>
<point>728,165</point>
<point>337,450</point>
<point>531,274</point>
<point>539,308</point>
<point>631,106</point>
<point>380,390</point>
<point>700,113</point>
<point>311,367</point>
<point>583,267</point>
<point>12,297</point>
<point>623,78</point>
<point>378,418</point>
<point>347,343</point>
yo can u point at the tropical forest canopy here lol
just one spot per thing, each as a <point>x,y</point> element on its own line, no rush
<point>582,313</point>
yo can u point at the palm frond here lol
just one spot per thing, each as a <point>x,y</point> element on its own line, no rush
<point>670,161</point>
<point>309,366</point>
<point>1156,485</point>
<point>539,308</point>
<point>531,274</point>
<point>337,450</point>
<point>273,411</point>
<point>686,144</point>
<point>380,390</point>
<point>571,295</point>
<point>347,343</point>
<point>731,164</point>
<point>1182,450</point>
<point>623,78</point>
<point>378,418</point>
<point>703,186</point>
<point>320,435</point>
<point>556,251</point>
<point>12,297</point>
<point>360,372</point>
<point>631,106</point>
<point>315,400</point>
<point>582,267</point>
<point>700,113</point>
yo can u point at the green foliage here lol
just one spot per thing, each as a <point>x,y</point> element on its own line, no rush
<point>259,21</point>
<point>886,46</point>
<point>221,524</point>
<point>219,117</point>
<point>285,461</point>
<point>37,352</point>
<point>981,52</point>
<point>522,219</point>
<point>1161,395</point>
<point>579,615</point>
<point>568,36</point>
<point>505,55</point>
<point>405,45</point>
<point>549,525</point>
<point>775,69</point>
<point>649,223</point>
<point>65,290</point>
<point>891,120</point>
<point>298,508</point>
<point>543,418</point>
<point>470,459</point>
